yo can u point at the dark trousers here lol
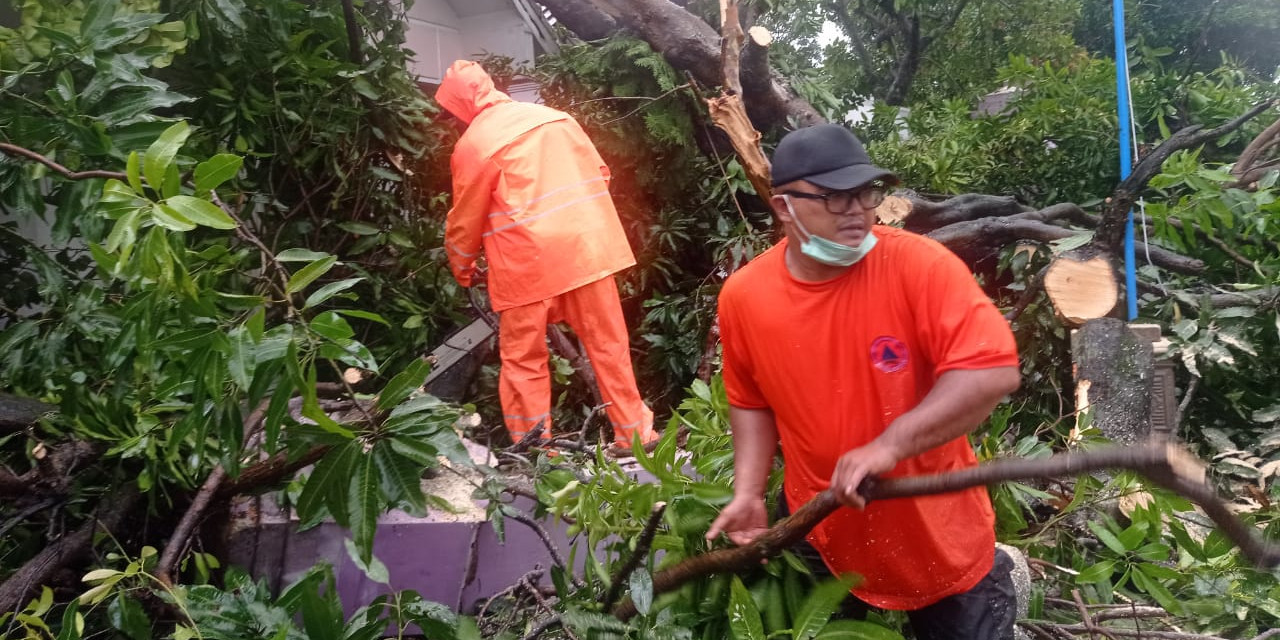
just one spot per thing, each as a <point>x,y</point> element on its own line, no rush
<point>985,612</point>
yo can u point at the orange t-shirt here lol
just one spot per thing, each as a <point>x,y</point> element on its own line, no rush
<point>837,362</point>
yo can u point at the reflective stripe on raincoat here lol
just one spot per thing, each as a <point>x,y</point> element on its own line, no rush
<point>531,190</point>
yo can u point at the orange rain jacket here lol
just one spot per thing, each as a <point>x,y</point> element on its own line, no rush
<point>531,189</point>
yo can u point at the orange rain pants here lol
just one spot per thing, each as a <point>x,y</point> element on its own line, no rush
<point>524,384</point>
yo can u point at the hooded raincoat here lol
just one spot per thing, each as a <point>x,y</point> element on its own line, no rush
<point>532,192</point>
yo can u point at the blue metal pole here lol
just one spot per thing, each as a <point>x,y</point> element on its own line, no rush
<point>1126,146</point>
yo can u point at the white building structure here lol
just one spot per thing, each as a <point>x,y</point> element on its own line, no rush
<point>441,31</point>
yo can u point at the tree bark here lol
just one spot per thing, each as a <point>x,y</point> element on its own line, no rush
<point>688,44</point>
<point>39,569</point>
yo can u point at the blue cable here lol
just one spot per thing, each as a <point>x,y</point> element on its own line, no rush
<point>1126,159</point>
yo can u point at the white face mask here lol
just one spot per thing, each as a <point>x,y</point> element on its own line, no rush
<point>830,252</point>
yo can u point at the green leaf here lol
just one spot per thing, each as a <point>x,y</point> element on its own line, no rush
<point>1106,537</point>
<point>201,212</point>
<point>216,170</point>
<point>300,255</point>
<point>821,603</point>
<point>856,630</point>
<point>641,583</point>
<point>403,384</point>
<point>363,315</point>
<point>127,616</point>
<point>308,274</point>
<point>365,502</point>
<point>124,233</point>
<point>160,155</point>
<point>133,171</point>
<point>329,290</point>
<point>373,568</point>
<point>327,486</point>
<point>358,228</point>
<point>240,356</point>
<point>166,217</point>
<point>1152,585</point>
<point>744,617</point>
<point>332,326</point>
<point>1096,572</point>
<point>402,476</point>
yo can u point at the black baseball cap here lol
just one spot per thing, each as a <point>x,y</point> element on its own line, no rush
<point>827,155</point>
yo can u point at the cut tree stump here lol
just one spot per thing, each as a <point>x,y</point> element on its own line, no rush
<point>1114,369</point>
<point>1081,289</point>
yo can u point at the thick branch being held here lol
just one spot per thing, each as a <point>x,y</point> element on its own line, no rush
<point>1165,464</point>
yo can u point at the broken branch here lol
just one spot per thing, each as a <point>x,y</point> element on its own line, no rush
<point>1164,463</point>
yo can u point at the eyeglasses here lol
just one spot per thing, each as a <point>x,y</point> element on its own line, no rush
<point>842,201</point>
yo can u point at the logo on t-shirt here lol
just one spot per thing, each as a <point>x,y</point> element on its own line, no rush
<point>889,354</point>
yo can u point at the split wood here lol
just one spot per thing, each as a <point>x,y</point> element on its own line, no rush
<point>1165,464</point>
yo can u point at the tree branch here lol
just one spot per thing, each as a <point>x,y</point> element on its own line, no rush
<point>109,515</point>
<point>354,36</point>
<point>641,551</point>
<point>15,150</point>
<point>1165,464</point>
<point>1111,229</point>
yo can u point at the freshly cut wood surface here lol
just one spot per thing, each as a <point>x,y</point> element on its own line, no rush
<point>1081,290</point>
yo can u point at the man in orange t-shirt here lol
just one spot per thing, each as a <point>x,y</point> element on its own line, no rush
<point>867,353</point>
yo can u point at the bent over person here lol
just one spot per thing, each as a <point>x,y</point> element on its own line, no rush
<point>867,351</point>
<point>532,192</point>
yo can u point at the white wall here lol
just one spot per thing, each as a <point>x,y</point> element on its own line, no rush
<point>441,31</point>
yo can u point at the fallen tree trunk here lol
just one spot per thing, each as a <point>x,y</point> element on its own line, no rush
<point>1165,464</point>
<point>38,570</point>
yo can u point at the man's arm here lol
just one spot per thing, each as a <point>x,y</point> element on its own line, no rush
<point>755,441</point>
<point>959,401</point>
<point>464,226</point>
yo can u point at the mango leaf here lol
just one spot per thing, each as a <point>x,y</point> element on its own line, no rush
<point>329,290</point>
<point>402,477</point>
<point>160,155</point>
<point>124,233</point>
<point>327,486</point>
<point>97,15</point>
<point>365,503</point>
<point>358,228</point>
<point>201,212</point>
<point>373,568</point>
<point>1106,537</point>
<point>166,217</point>
<point>133,169</point>
<point>216,170</point>
<point>821,603</point>
<point>240,356</point>
<point>332,326</point>
<point>1096,572</point>
<point>403,384</point>
<point>641,584</point>
<point>126,615</point>
<point>308,274</point>
<point>364,315</point>
<point>744,617</point>
<point>300,255</point>
<point>1143,580</point>
<point>856,630</point>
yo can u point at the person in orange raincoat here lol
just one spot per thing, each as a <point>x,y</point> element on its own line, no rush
<point>531,190</point>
